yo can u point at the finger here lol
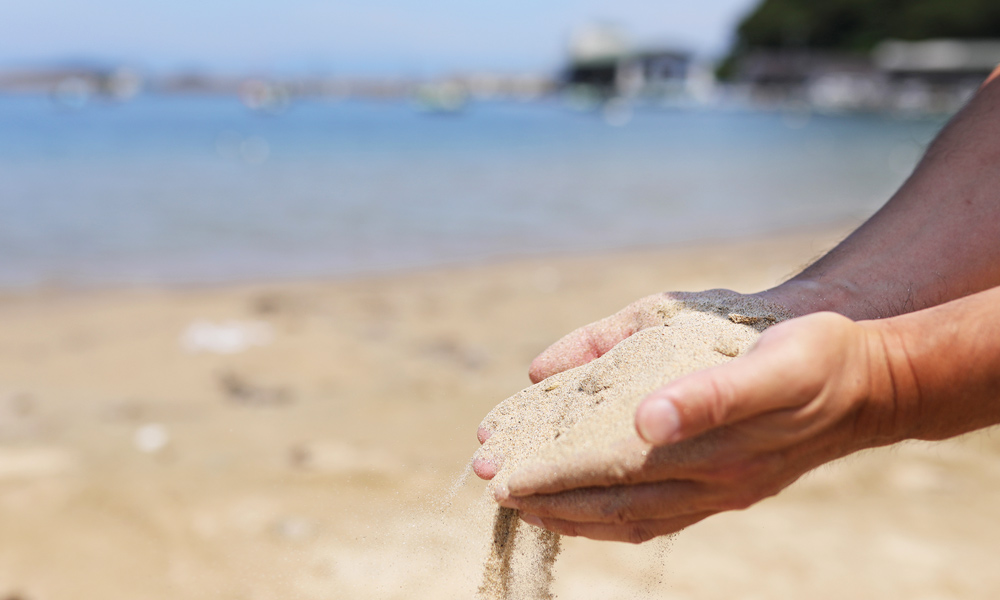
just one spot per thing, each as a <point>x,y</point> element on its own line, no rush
<point>512,414</point>
<point>594,468</point>
<point>484,469</point>
<point>635,533</point>
<point>485,462</point>
<point>582,346</point>
<point>629,461</point>
<point>781,371</point>
<point>624,504</point>
<point>595,340</point>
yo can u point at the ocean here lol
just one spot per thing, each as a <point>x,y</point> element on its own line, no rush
<point>188,190</point>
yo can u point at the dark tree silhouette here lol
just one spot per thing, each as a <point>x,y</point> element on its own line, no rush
<point>857,25</point>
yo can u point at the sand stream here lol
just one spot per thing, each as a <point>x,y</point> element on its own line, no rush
<point>582,415</point>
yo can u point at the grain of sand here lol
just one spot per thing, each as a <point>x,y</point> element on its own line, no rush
<point>580,417</point>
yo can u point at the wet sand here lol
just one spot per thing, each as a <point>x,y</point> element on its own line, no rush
<point>295,440</point>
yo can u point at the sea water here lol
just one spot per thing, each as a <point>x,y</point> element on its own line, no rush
<point>194,189</point>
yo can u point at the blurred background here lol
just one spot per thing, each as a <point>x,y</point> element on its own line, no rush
<point>199,142</point>
<point>265,265</point>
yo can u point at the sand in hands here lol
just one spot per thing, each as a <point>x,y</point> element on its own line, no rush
<point>580,418</point>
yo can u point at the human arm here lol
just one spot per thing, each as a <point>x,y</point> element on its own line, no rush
<point>812,390</point>
<point>934,241</point>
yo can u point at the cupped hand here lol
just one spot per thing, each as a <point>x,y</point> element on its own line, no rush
<point>557,367</point>
<point>719,439</point>
<point>586,343</point>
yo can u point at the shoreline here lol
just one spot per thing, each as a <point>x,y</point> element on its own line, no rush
<point>826,236</point>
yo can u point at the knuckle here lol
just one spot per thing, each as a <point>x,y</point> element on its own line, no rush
<point>741,500</point>
<point>592,342</point>
<point>619,512</point>
<point>623,514</point>
<point>561,527</point>
<point>721,396</point>
<point>744,483</point>
<point>642,305</point>
<point>654,310</point>
<point>639,533</point>
<point>487,454</point>
<point>743,497</point>
<point>768,492</point>
<point>755,469</point>
<point>730,473</point>
<point>741,471</point>
<point>538,371</point>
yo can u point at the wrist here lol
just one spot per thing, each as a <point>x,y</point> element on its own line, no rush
<point>891,396</point>
<point>803,296</point>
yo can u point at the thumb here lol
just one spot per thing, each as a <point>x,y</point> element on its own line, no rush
<point>776,373</point>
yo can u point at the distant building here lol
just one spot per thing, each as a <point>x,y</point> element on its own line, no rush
<point>605,63</point>
<point>824,80</point>
<point>920,77</point>
<point>942,61</point>
<point>934,75</point>
<point>595,56</point>
<point>74,86</point>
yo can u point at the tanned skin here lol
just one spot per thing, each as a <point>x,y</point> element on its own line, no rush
<point>900,339</point>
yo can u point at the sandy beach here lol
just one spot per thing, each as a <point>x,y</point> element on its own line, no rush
<point>304,439</point>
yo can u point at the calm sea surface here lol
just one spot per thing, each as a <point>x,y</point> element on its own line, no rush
<point>182,190</point>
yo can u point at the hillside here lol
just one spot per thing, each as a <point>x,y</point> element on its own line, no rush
<point>856,26</point>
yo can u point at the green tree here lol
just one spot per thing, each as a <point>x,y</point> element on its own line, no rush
<point>858,25</point>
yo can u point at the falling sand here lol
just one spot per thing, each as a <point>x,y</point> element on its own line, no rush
<point>582,418</point>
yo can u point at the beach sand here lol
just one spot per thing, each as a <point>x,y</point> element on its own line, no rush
<point>306,440</point>
<point>582,418</point>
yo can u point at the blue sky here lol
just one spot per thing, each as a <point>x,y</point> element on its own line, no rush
<point>401,37</point>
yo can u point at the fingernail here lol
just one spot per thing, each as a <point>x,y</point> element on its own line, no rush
<point>484,466</point>
<point>522,483</point>
<point>483,434</point>
<point>531,520</point>
<point>500,493</point>
<point>657,421</point>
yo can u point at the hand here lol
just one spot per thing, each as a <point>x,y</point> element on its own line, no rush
<point>719,439</point>
<point>586,343</point>
<point>506,425</point>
